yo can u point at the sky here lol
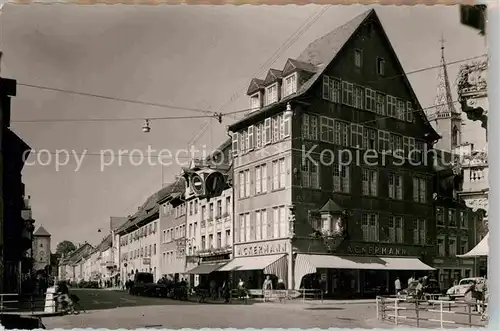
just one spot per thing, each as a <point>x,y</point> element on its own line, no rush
<point>199,57</point>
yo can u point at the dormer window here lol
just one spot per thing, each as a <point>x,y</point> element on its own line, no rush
<point>272,94</point>
<point>255,102</point>
<point>290,84</point>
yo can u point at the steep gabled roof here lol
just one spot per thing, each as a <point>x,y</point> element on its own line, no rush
<point>41,232</point>
<point>330,207</point>
<point>272,76</point>
<point>255,85</point>
<point>321,53</point>
<point>292,65</point>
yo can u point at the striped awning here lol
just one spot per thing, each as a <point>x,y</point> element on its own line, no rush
<point>308,264</point>
<point>271,264</point>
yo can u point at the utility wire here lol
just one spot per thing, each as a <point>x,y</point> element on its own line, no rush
<point>149,155</point>
<point>285,46</point>
<point>228,113</point>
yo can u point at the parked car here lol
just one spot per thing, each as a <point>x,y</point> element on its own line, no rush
<point>458,291</point>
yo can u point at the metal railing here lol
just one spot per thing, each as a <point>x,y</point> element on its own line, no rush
<point>397,310</point>
<point>14,302</point>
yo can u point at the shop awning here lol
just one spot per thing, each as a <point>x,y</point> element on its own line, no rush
<point>205,268</point>
<point>308,264</point>
<point>270,264</point>
<point>481,249</point>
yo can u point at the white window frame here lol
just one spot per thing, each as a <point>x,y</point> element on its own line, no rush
<point>335,90</point>
<point>258,135</point>
<point>370,99</point>
<point>370,135</point>
<point>250,138</point>
<point>309,127</point>
<point>258,180</point>
<point>267,134</point>
<point>400,110</point>
<point>342,133</point>
<point>384,140</point>
<point>356,135</point>
<point>327,126</point>
<point>247,183</point>
<point>358,97</point>
<point>290,84</point>
<point>392,104</point>
<point>380,104</point>
<point>347,93</point>
<point>255,105</point>
<point>310,178</point>
<point>271,98</point>
<point>235,143</point>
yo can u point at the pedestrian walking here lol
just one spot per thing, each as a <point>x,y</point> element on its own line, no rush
<point>267,286</point>
<point>242,292</point>
<point>397,285</point>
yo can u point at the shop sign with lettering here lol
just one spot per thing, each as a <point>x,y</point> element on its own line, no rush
<point>261,248</point>
<point>376,250</point>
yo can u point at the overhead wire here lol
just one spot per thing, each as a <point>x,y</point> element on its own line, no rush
<point>228,113</point>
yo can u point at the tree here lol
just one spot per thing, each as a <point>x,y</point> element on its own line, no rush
<point>65,247</point>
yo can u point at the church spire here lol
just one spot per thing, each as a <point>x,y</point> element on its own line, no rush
<point>444,105</point>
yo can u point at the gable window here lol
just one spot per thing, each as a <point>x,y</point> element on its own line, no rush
<point>369,138</point>
<point>384,138</point>
<point>369,226</point>
<point>327,129</point>
<point>342,133</point>
<point>452,220</point>
<point>439,216</point>
<point>370,97</point>
<point>341,181</point>
<point>291,84</point>
<point>347,93</point>
<point>409,111</point>
<point>309,127</point>
<point>310,174</point>
<point>419,190</point>
<point>356,135</point>
<point>369,180</point>
<point>380,104</point>
<point>463,220</point>
<point>419,232</point>
<point>358,97</point>
<point>272,94</point>
<point>396,186</point>
<point>441,245</point>
<point>358,58</point>
<point>396,229</point>
<point>380,66</point>
<point>255,102</point>
<point>391,106</point>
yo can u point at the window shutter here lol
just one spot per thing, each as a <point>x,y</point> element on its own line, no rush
<point>251,142</point>
<point>235,143</point>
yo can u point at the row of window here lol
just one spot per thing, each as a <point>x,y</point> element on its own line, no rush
<point>256,183</point>
<point>146,251</point>
<point>462,221</point>
<point>272,130</point>
<point>262,224</point>
<point>173,233</point>
<point>462,243</point>
<point>217,243</point>
<point>354,135</point>
<point>219,212</point>
<point>177,211</point>
<point>273,93</point>
<point>144,231</point>
<point>168,258</point>
<point>349,94</point>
